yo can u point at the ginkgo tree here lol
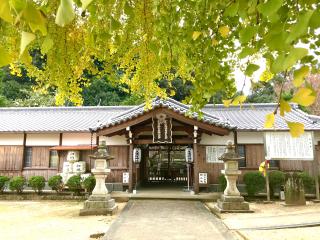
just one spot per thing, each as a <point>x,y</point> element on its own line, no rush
<point>201,41</point>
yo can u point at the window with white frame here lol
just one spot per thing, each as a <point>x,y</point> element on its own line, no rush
<point>213,153</point>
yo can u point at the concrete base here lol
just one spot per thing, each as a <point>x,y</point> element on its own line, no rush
<point>99,205</point>
<point>232,204</point>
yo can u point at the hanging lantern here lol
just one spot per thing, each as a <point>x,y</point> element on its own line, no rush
<point>137,155</point>
<point>189,155</point>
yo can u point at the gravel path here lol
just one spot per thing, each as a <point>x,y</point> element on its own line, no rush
<point>50,220</point>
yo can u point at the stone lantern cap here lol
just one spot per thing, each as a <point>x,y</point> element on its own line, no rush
<point>230,153</point>
<point>102,152</point>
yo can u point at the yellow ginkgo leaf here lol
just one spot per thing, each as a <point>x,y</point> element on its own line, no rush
<point>239,100</point>
<point>214,42</point>
<point>266,76</point>
<point>5,57</point>
<point>299,75</point>
<point>269,122</point>
<point>85,3</point>
<point>224,31</point>
<point>284,107</point>
<point>195,35</point>
<point>26,39</point>
<point>296,128</point>
<point>304,97</point>
<point>227,103</point>
<point>5,12</point>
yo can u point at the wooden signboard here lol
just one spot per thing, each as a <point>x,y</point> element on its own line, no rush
<point>162,129</point>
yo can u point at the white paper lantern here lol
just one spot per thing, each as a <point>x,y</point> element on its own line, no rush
<point>137,155</point>
<point>189,155</point>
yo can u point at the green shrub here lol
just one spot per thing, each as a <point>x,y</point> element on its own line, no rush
<point>276,179</point>
<point>308,182</point>
<point>74,184</point>
<point>3,181</point>
<point>55,182</point>
<point>37,183</point>
<point>222,183</point>
<point>17,184</point>
<point>255,182</point>
<point>89,183</point>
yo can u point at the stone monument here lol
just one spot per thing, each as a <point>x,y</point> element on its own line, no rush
<point>231,200</point>
<point>294,190</point>
<point>100,202</point>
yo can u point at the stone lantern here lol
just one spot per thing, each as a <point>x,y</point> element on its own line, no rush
<point>100,202</point>
<point>231,200</point>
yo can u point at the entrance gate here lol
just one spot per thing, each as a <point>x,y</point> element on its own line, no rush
<point>165,164</point>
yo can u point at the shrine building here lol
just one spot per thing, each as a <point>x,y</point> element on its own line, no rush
<point>36,141</point>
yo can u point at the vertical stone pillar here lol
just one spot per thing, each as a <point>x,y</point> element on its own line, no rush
<point>231,200</point>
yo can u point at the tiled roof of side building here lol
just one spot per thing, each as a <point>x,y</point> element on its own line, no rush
<point>56,119</point>
<point>251,116</point>
<point>82,119</point>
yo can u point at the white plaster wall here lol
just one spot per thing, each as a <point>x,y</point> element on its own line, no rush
<point>11,139</point>
<point>74,139</point>
<point>250,137</point>
<point>215,139</point>
<point>115,140</point>
<point>42,139</point>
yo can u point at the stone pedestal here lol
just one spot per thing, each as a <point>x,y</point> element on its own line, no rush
<point>231,200</point>
<point>100,202</point>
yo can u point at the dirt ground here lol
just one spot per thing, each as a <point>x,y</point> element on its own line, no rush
<point>50,220</point>
<point>275,214</point>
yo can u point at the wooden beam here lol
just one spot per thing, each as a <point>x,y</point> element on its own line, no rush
<point>205,126</point>
<point>175,141</point>
<point>129,123</point>
<point>211,128</point>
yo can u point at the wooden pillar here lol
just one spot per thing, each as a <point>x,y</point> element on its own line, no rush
<point>130,167</point>
<point>23,152</point>
<point>130,141</point>
<point>195,161</point>
<point>235,140</point>
<point>59,153</point>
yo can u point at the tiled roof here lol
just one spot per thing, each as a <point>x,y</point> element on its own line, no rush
<point>169,104</point>
<point>252,116</point>
<point>81,119</point>
<point>55,119</point>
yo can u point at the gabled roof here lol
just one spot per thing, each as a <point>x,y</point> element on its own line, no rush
<point>168,103</point>
<point>81,119</point>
